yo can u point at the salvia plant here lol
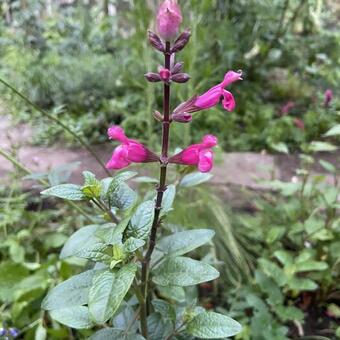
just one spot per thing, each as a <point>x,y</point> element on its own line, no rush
<point>137,279</point>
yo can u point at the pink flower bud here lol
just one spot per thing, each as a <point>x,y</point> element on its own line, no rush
<point>299,123</point>
<point>158,116</point>
<point>180,78</point>
<point>328,97</point>
<point>177,68</point>
<point>285,109</point>
<point>164,74</point>
<point>169,18</point>
<point>182,117</point>
<point>129,151</point>
<point>156,42</point>
<point>181,41</point>
<point>200,154</point>
<point>152,77</point>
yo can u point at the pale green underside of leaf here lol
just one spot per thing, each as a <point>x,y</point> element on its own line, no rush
<point>108,291</point>
<point>112,333</point>
<point>70,192</point>
<point>194,179</point>
<point>70,293</point>
<point>185,241</point>
<point>77,317</point>
<point>210,325</point>
<point>183,271</point>
<point>141,221</point>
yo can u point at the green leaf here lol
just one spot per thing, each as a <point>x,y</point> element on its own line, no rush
<point>287,313</point>
<point>280,147</point>
<point>311,266</point>
<point>275,234</point>
<point>72,292</point>
<point>273,270</point>
<point>141,221</point>
<point>284,257</point>
<point>108,291</point>
<point>172,293</point>
<point>117,193</point>
<point>301,284</point>
<point>77,317</point>
<point>328,166</point>
<point>165,309</point>
<point>11,275</point>
<point>132,244</point>
<point>114,333</point>
<point>168,199</point>
<point>71,192</point>
<point>185,241</point>
<point>321,147</point>
<point>111,234</point>
<point>334,131</point>
<point>158,327</point>
<point>183,271</point>
<point>82,238</point>
<point>40,333</point>
<point>210,325</point>
<point>92,187</point>
<point>98,252</point>
<point>122,196</point>
<point>194,179</point>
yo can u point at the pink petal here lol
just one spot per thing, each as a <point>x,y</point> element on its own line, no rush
<point>228,101</point>
<point>209,98</point>
<point>169,18</point>
<point>136,152</point>
<point>117,133</point>
<point>189,156</point>
<point>206,160</point>
<point>119,158</point>
<point>209,141</point>
<point>230,77</point>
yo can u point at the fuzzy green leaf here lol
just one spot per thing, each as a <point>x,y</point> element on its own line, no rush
<point>141,221</point>
<point>334,131</point>
<point>70,192</point>
<point>185,241</point>
<point>210,325</point>
<point>77,317</point>
<point>183,271</point>
<point>82,238</point>
<point>132,244</point>
<point>108,291</point>
<point>114,333</point>
<point>70,293</point>
<point>194,179</point>
<point>98,252</point>
<point>168,199</point>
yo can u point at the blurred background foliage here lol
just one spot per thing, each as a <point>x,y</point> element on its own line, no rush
<point>84,61</point>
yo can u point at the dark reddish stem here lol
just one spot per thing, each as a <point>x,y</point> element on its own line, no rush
<point>160,191</point>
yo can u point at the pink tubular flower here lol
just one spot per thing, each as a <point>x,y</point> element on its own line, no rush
<point>299,123</point>
<point>285,109</point>
<point>198,154</point>
<point>169,18</point>
<point>128,151</point>
<point>214,95</point>
<point>328,97</point>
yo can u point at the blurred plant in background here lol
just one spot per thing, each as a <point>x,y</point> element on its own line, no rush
<point>72,58</point>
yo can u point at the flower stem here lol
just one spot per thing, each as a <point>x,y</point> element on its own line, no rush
<point>160,191</point>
